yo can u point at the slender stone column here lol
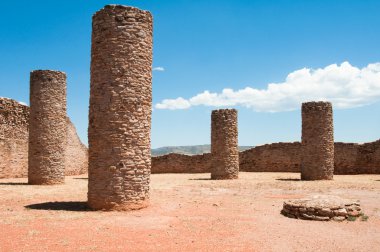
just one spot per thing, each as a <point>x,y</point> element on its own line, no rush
<point>317,157</point>
<point>47,127</point>
<point>120,109</point>
<point>224,144</point>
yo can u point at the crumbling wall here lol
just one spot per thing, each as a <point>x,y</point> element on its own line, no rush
<point>76,156</point>
<point>350,158</point>
<point>180,163</point>
<point>368,158</point>
<point>276,157</point>
<point>13,139</point>
<point>14,118</point>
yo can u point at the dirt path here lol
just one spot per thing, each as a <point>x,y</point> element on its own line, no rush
<point>188,212</point>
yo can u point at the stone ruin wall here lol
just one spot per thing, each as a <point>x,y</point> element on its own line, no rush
<point>276,157</point>
<point>14,118</point>
<point>13,139</point>
<point>180,163</point>
<point>350,158</point>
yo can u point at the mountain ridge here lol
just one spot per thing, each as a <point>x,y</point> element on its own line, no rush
<point>188,150</point>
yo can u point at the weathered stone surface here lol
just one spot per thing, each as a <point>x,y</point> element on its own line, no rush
<point>120,109</point>
<point>47,131</point>
<point>317,151</point>
<point>14,133</point>
<point>224,144</point>
<point>321,208</point>
<point>349,158</point>
<point>180,163</point>
<point>276,157</point>
<point>14,122</point>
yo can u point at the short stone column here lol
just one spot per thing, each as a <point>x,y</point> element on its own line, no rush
<point>224,144</point>
<point>120,109</point>
<point>317,152</point>
<point>47,127</point>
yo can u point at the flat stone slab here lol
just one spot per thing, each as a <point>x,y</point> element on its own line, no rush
<point>321,208</point>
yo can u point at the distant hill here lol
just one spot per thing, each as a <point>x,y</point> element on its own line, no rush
<point>188,150</point>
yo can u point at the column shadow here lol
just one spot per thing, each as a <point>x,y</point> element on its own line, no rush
<point>74,206</point>
<point>14,183</point>
<point>288,179</point>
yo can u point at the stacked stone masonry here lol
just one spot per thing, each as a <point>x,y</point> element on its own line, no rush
<point>224,144</point>
<point>350,158</point>
<point>317,153</point>
<point>14,132</point>
<point>120,109</point>
<point>321,209</point>
<point>47,131</point>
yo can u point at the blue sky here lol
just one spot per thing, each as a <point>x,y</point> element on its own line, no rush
<point>214,45</point>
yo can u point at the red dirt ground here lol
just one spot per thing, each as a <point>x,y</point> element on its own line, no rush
<point>188,212</point>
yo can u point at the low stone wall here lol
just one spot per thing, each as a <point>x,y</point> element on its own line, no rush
<point>278,157</point>
<point>14,143</point>
<point>322,208</point>
<point>180,163</point>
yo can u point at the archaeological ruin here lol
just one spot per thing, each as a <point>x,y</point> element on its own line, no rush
<point>317,150</point>
<point>224,144</point>
<point>14,135</point>
<point>120,109</point>
<point>322,208</point>
<point>47,127</point>
<point>349,158</point>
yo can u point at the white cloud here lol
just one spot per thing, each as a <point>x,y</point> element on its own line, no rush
<point>178,103</point>
<point>344,85</point>
<point>23,103</point>
<point>159,69</point>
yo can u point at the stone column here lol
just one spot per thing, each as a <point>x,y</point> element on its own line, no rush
<point>120,109</point>
<point>224,144</point>
<point>47,127</point>
<point>317,155</point>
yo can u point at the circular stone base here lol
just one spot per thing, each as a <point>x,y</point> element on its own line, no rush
<point>321,208</point>
<point>118,207</point>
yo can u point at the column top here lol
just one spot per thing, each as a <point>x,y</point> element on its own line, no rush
<point>115,7</point>
<point>316,105</point>
<point>40,71</point>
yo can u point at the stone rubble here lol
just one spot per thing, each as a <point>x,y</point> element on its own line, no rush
<point>321,208</point>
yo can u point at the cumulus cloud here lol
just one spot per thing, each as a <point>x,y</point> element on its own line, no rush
<point>344,85</point>
<point>172,104</point>
<point>159,69</point>
<point>23,103</point>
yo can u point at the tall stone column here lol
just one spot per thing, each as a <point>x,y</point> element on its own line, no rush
<point>224,144</point>
<point>47,127</point>
<point>120,109</point>
<point>317,156</point>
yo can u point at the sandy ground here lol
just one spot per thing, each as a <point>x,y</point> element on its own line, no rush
<point>188,212</point>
